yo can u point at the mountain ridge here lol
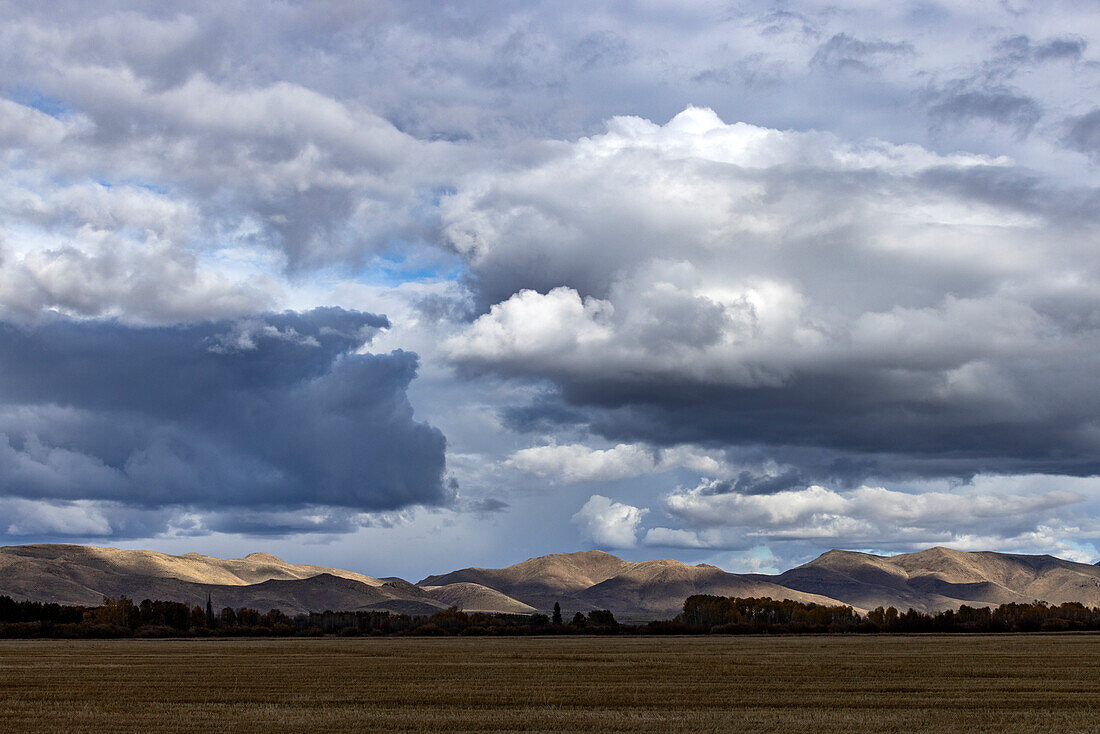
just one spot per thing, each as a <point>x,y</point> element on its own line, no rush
<point>930,580</point>
<point>939,578</point>
<point>83,575</point>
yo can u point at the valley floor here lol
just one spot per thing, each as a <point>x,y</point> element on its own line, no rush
<point>1003,683</point>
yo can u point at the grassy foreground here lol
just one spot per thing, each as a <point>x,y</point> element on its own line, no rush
<point>1003,683</point>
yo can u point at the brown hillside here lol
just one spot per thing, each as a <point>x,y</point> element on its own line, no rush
<point>598,580</point>
<point>657,589</point>
<point>931,580</point>
<point>73,574</point>
<point>942,578</point>
<point>319,593</point>
<point>470,597</point>
<point>541,581</point>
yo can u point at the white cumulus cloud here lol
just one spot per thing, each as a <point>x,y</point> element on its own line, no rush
<point>570,463</point>
<point>609,524</point>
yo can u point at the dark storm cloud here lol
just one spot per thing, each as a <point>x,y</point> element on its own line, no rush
<point>852,427</point>
<point>542,415</point>
<point>749,483</point>
<point>312,520</point>
<point>276,410</point>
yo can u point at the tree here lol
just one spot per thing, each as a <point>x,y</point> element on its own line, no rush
<point>602,618</point>
<point>120,612</point>
<point>248,617</point>
<point>557,614</point>
<point>891,619</point>
<point>579,620</point>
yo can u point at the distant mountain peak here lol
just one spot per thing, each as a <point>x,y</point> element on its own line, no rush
<point>260,556</point>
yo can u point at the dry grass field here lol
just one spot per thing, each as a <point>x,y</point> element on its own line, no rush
<point>1037,683</point>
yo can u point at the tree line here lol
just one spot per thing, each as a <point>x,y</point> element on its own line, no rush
<point>702,614</point>
<point>718,614</point>
<point>121,617</point>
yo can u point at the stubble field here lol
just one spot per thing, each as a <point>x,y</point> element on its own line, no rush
<point>579,684</point>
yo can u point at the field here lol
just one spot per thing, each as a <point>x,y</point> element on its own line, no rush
<point>1009,683</point>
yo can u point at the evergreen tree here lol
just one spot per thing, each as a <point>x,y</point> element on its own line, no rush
<point>557,614</point>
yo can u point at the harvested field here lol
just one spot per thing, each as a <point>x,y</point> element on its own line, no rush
<point>1009,683</point>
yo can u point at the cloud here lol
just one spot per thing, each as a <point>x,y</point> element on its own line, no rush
<point>828,293</point>
<point>25,517</point>
<point>860,309</point>
<point>768,532</point>
<point>958,104</point>
<point>1020,49</point>
<point>34,519</point>
<point>299,165</point>
<point>674,538</point>
<point>488,506</point>
<point>274,413</point>
<point>992,92</point>
<point>609,524</point>
<point>195,199</point>
<point>335,143</point>
<point>317,520</point>
<point>1084,134</point>
<point>842,51</point>
<point>571,463</point>
<point>707,193</point>
<point>95,248</point>
<point>873,516</point>
<point>747,482</point>
<point>30,520</point>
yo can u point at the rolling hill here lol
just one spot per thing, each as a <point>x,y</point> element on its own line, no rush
<point>472,597</point>
<point>542,581</point>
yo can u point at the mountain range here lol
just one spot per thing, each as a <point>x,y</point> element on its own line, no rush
<point>930,581</point>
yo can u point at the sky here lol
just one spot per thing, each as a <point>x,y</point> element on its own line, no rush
<point>404,287</point>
